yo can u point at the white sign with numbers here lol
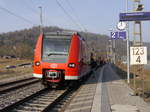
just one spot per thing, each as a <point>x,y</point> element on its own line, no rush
<point>138,55</point>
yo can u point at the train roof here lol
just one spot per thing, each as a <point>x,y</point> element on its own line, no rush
<point>63,34</point>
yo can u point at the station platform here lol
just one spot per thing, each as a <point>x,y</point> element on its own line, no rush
<point>106,92</point>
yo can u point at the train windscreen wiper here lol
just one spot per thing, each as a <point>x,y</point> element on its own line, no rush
<point>57,53</point>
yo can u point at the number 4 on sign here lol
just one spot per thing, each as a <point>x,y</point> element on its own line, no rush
<point>138,59</point>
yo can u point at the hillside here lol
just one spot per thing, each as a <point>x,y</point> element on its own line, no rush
<point>21,43</point>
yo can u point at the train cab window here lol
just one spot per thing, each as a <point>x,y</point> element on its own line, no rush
<point>55,50</point>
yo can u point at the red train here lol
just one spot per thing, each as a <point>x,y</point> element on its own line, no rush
<point>61,57</point>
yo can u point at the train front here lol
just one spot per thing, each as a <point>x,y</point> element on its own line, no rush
<point>51,56</point>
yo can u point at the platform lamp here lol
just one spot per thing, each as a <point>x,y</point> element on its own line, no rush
<point>139,7</point>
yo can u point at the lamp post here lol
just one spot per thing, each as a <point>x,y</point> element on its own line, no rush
<point>138,41</point>
<point>41,19</point>
<point>110,50</point>
<point>128,60</point>
<point>113,48</point>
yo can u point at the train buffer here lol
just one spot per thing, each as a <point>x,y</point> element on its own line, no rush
<point>106,93</point>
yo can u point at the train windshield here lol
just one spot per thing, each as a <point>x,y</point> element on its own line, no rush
<point>55,50</point>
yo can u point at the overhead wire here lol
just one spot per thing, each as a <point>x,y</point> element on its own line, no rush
<point>75,15</point>
<point>77,18</point>
<point>32,1</point>
<point>83,29</point>
<point>16,15</point>
<point>31,8</point>
<point>69,16</point>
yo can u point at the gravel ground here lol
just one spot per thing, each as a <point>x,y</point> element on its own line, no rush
<point>14,96</point>
<point>12,79</point>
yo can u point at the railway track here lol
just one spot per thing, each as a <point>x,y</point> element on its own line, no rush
<point>12,97</point>
<point>11,86</point>
<point>44,100</point>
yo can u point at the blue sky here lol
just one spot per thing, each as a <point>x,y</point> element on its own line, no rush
<point>98,16</point>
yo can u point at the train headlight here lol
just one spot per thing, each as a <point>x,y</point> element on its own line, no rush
<point>71,65</point>
<point>37,63</point>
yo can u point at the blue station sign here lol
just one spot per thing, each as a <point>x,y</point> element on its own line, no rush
<point>135,16</point>
<point>114,35</point>
<point>122,35</point>
<point>118,35</point>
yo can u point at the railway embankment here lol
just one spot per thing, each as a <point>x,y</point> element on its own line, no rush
<point>136,84</point>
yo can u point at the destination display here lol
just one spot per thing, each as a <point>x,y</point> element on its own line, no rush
<point>134,16</point>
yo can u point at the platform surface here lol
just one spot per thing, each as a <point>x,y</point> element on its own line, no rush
<point>106,92</point>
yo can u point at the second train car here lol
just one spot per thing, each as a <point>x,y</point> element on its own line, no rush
<point>61,58</point>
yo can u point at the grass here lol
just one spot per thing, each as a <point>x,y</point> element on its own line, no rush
<point>121,71</point>
<point>14,72</point>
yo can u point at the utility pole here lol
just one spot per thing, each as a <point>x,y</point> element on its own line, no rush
<point>128,59</point>
<point>113,47</point>
<point>41,19</point>
<point>110,48</point>
<point>114,51</point>
<point>137,41</point>
<point>137,24</point>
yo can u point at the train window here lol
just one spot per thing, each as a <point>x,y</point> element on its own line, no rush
<point>55,50</point>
